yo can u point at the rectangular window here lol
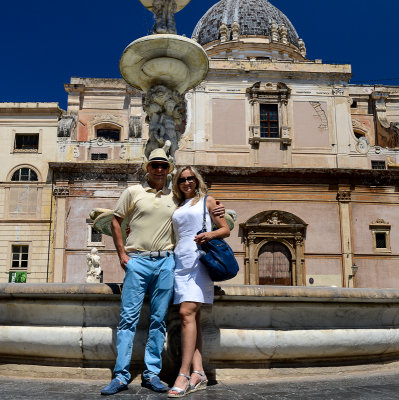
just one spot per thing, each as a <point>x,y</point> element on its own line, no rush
<point>269,121</point>
<point>381,240</point>
<point>20,255</point>
<point>99,156</point>
<point>96,237</point>
<point>377,164</point>
<point>26,142</point>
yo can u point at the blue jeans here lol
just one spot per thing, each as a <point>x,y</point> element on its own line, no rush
<point>155,275</point>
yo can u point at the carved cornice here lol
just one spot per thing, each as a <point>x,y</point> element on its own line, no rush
<point>269,92</point>
<point>380,224</point>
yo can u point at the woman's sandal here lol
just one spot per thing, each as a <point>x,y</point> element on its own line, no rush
<point>180,392</point>
<point>201,385</point>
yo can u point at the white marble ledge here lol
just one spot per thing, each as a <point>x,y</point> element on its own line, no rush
<point>305,294</point>
<point>222,292</point>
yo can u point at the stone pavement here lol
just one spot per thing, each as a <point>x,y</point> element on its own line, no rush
<point>378,384</point>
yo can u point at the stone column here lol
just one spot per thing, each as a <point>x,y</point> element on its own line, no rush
<point>300,259</point>
<point>253,273</point>
<point>344,199</point>
<point>60,193</point>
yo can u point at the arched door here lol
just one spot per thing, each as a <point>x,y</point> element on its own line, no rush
<point>274,265</point>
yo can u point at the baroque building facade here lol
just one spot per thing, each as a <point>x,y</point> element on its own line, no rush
<point>308,161</point>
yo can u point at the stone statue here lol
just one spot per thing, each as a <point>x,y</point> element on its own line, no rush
<point>135,128</point>
<point>165,109</point>
<point>302,47</point>
<point>164,11</point>
<point>94,273</point>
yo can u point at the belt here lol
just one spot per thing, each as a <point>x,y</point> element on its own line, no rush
<point>152,254</point>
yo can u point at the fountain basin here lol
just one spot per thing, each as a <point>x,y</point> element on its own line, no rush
<point>164,59</point>
<point>248,328</point>
<point>180,4</point>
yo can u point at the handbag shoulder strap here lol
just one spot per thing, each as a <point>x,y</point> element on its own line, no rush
<point>204,215</point>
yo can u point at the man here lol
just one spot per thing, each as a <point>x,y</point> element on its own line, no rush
<point>148,261</point>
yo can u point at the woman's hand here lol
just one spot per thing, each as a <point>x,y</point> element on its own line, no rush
<point>204,237</point>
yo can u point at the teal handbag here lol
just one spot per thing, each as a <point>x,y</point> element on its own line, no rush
<point>217,256</point>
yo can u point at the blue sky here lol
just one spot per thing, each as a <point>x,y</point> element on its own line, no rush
<point>43,43</point>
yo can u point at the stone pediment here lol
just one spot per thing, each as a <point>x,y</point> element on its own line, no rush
<point>274,217</point>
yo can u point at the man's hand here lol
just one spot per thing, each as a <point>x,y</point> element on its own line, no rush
<point>219,210</point>
<point>124,260</point>
<point>116,228</point>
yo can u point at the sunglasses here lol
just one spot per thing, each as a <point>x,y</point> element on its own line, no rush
<point>189,179</point>
<point>156,165</point>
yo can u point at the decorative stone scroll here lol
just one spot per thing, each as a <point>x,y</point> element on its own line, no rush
<point>66,126</point>
<point>321,114</point>
<point>387,131</point>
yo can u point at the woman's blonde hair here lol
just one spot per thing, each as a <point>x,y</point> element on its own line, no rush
<point>200,190</point>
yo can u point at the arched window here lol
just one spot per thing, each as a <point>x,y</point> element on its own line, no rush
<point>24,195</point>
<point>109,133</point>
<point>24,175</point>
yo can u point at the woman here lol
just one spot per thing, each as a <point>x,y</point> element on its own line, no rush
<point>193,286</point>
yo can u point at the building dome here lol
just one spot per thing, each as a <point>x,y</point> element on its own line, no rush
<point>254,17</point>
<point>248,29</point>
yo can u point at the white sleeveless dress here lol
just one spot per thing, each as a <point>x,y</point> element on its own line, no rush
<point>192,282</point>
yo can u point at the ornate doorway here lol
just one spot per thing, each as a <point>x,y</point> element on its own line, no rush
<point>274,243</point>
<point>274,265</point>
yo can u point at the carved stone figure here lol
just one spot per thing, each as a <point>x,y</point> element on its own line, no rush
<point>135,127</point>
<point>165,109</point>
<point>302,47</point>
<point>94,273</point>
<point>164,11</point>
<point>66,126</point>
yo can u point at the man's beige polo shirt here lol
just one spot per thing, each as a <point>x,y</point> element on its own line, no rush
<point>150,218</point>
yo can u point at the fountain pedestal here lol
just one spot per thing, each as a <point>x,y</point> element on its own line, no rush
<point>164,66</point>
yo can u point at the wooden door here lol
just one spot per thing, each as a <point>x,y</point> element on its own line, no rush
<point>274,265</point>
